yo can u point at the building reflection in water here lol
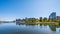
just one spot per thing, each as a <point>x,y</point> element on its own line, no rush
<point>53,28</point>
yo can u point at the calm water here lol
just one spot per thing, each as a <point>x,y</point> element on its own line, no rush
<point>13,28</point>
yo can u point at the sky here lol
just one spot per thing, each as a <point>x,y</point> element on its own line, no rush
<point>14,9</point>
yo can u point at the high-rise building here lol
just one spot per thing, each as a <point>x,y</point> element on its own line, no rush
<point>58,17</point>
<point>52,16</point>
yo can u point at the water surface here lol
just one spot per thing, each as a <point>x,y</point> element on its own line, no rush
<point>13,28</point>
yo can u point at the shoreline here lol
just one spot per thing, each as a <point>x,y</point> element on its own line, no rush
<point>47,23</point>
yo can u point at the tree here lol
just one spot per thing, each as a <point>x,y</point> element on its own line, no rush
<point>40,19</point>
<point>45,19</point>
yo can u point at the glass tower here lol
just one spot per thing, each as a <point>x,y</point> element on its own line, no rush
<point>52,16</point>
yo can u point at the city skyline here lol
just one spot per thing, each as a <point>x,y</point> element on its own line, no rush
<point>14,9</point>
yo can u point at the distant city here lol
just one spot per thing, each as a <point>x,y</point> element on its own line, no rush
<point>53,19</point>
<point>52,16</point>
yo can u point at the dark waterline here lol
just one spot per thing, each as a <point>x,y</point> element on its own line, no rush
<point>13,28</point>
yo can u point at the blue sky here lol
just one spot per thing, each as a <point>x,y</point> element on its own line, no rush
<point>12,9</point>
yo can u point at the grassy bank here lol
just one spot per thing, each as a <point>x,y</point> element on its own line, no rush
<point>44,23</point>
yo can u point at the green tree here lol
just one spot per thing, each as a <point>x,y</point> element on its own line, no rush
<point>45,19</point>
<point>40,19</point>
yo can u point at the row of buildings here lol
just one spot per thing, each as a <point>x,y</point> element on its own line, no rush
<point>52,17</point>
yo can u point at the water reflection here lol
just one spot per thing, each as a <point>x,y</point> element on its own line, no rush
<point>16,28</point>
<point>53,28</point>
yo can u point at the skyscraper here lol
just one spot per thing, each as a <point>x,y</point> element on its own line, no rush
<point>52,16</point>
